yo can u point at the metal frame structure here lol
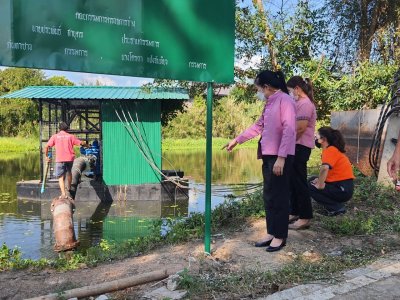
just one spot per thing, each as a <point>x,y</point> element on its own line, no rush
<point>82,116</point>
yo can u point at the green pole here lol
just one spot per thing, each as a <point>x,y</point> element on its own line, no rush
<point>207,237</point>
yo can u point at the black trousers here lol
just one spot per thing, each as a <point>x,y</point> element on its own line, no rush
<point>276,196</point>
<point>300,201</point>
<point>334,195</point>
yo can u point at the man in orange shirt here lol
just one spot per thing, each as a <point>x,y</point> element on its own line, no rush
<point>334,186</point>
<point>65,155</point>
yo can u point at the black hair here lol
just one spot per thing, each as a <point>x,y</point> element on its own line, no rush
<point>63,126</point>
<point>274,79</point>
<point>334,137</point>
<point>304,83</point>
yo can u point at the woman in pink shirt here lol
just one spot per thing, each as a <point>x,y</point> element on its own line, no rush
<point>277,127</point>
<point>300,202</point>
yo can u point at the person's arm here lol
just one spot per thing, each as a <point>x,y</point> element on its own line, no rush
<point>393,165</point>
<point>46,153</point>
<point>319,183</point>
<point>304,113</point>
<point>301,126</point>
<point>49,144</point>
<point>248,134</point>
<point>288,119</point>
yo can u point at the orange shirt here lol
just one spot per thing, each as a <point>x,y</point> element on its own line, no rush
<point>339,165</point>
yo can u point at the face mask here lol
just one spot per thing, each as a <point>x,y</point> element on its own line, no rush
<point>317,144</point>
<point>261,96</point>
<point>293,96</point>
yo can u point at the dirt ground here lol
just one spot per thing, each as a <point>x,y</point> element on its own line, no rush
<point>234,250</point>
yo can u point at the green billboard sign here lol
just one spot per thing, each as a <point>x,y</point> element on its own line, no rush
<point>170,39</point>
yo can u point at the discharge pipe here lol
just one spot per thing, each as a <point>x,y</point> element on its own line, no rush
<point>80,164</point>
<point>63,207</point>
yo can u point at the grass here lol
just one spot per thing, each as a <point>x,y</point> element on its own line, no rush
<point>372,210</point>
<point>372,213</point>
<point>372,216</point>
<point>187,144</point>
<point>18,145</point>
<point>227,284</point>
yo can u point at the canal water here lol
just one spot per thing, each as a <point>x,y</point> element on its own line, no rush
<point>28,225</point>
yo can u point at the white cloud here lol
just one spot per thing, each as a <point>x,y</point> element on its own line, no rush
<point>98,79</point>
<point>136,81</point>
<point>245,63</point>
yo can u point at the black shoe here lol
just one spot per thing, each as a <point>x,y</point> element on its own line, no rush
<point>274,249</point>
<point>336,212</point>
<point>263,244</point>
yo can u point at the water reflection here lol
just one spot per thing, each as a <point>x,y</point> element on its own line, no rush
<point>237,167</point>
<point>28,224</point>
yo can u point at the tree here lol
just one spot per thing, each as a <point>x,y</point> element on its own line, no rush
<point>357,25</point>
<point>19,116</point>
<point>58,81</point>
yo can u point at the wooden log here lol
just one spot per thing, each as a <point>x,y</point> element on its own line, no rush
<point>106,287</point>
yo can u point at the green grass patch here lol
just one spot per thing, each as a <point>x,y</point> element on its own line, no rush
<point>12,145</point>
<point>372,210</point>
<point>212,284</point>
<point>188,144</point>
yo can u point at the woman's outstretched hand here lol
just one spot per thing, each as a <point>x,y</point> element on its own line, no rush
<point>229,147</point>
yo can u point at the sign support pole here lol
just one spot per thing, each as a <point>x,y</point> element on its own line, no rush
<point>207,237</point>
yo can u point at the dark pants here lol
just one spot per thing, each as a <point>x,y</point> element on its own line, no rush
<point>300,201</point>
<point>334,195</point>
<point>276,196</point>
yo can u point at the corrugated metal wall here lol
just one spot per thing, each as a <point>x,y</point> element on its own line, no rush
<point>123,162</point>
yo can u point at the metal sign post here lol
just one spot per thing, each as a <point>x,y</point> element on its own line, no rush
<point>207,213</point>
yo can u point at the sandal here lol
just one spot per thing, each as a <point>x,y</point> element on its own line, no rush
<point>294,219</point>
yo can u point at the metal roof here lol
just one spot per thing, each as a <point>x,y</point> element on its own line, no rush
<point>97,93</point>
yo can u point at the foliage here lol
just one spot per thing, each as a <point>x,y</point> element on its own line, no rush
<point>174,144</point>
<point>229,119</point>
<point>359,25</point>
<point>368,195</point>
<point>366,87</point>
<point>11,259</point>
<point>20,116</point>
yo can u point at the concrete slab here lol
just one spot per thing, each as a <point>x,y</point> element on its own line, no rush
<point>96,191</point>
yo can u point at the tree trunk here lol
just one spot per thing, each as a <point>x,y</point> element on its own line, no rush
<point>268,37</point>
<point>364,41</point>
<point>369,23</point>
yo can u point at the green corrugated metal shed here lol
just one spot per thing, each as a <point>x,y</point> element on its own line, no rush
<point>97,93</point>
<point>123,159</point>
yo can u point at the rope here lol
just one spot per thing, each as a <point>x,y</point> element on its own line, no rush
<point>145,150</point>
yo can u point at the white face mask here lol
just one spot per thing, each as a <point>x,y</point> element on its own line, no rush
<point>261,96</point>
<point>293,96</point>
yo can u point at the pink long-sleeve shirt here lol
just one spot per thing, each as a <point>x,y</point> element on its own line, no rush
<point>277,126</point>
